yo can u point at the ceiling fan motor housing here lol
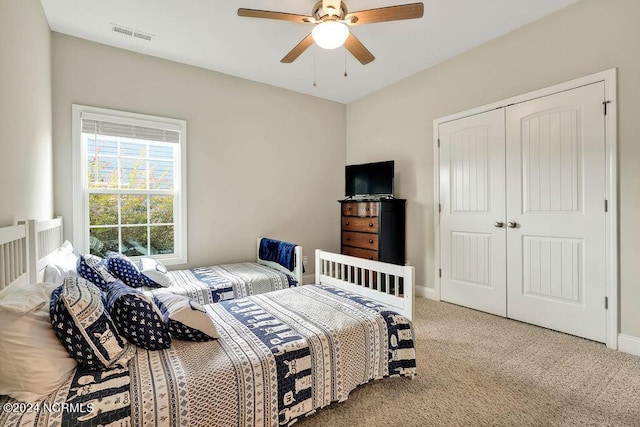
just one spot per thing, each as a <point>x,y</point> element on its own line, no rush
<point>321,14</point>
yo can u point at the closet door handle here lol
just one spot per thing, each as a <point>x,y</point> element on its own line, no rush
<point>512,224</point>
<point>498,224</point>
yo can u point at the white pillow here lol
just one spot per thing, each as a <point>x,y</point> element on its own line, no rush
<point>33,363</point>
<point>154,272</point>
<point>186,319</point>
<point>62,263</point>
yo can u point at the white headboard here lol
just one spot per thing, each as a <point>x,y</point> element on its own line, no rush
<point>297,268</point>
<point>14,256</point>
<point>44,238</point>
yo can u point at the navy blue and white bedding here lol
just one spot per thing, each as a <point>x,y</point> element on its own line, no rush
<point>207,285</point>
<point>281,355</point>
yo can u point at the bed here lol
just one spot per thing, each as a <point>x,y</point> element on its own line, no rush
<point>280,356</point>
<point>203,284</point>
<point>228,281</point>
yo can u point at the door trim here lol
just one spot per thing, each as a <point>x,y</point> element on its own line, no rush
<point>609,77</point>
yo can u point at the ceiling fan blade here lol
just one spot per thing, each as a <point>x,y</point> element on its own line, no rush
<point>297,51</point>
<point>332,7</point>
<point>358,50</point>
<point>384,14</point>
<point>254,13</point>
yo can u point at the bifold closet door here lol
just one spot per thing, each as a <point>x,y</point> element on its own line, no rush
<point>555,156</point>
<point>472,219</point>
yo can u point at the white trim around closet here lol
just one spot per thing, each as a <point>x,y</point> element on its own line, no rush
<point>609,77</point>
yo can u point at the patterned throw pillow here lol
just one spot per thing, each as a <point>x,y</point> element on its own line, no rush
<point>137,318</point>
<point>83,326</point>
<point>154,273</point>
<point>124,269</point>
<point>186,319</point>
<point>94,269</point>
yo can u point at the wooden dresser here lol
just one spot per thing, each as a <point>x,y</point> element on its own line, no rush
<point>374,229</point>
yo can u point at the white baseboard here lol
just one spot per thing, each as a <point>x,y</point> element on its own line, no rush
<point>629,344</point>
<point>423,291</point>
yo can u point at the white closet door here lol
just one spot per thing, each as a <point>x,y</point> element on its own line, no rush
<point>555,196</point>
<point>472,197</point>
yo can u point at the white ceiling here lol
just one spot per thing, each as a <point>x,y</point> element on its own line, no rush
<point>209,34</point>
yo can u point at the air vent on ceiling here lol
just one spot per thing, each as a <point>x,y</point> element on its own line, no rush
<point>131,32</point>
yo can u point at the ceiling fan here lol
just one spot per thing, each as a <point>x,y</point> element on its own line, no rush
<point>332,20</point>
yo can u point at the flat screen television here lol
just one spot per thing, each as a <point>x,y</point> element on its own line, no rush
<point>369,179</point>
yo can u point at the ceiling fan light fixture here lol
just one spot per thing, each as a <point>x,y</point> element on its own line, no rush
<point>330,34</point>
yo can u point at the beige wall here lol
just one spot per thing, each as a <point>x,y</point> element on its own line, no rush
<point>590,36</point>
<point>25,112</point>
<point>258,162</point>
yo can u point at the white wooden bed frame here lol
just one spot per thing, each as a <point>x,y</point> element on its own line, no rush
<point>25,250</point>
<point>14,259</point>
<point>44,238</point>
<point>379,281</point>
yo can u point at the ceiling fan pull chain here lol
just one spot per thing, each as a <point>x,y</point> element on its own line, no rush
<point>345,62</point>
<point>314,69</point>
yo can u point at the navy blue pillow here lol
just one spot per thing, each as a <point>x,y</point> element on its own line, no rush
<point>185,318</point>
<point>94,269</point>
<point>84,328</point>
<point>124,269</point>
<point>137,318</point>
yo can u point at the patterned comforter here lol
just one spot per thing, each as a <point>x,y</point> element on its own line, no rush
<point>281,355</point>
<point>224,282</point>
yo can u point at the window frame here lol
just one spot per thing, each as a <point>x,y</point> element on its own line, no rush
<point>80,180</point>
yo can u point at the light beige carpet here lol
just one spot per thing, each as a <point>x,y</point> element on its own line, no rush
<point>481,370</point>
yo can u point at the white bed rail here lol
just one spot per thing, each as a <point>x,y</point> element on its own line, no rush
<point>389,284</point>
<point>14,256</point>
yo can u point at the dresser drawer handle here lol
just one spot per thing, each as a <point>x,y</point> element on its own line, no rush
<point>370,240</point>
<point>347,238</point>
<point>348,208</point>
<point>346,223</point>
<point>370,224</point>
<point>366,209</point>
<point>371,257</point>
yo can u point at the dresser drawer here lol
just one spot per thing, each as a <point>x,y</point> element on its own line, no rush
<point>360,209</point>
<point>367,225</point>
<point>360,240</point>
<point>360,253</point>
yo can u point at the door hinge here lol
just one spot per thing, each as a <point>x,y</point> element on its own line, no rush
<point>439,207</point>
<point>438,142</point>
<point>605,106</point>
<point>606,205</point>
<point>440,272</point>
<point>606,303</point>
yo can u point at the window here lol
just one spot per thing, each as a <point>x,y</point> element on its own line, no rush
<point>129,184</point>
